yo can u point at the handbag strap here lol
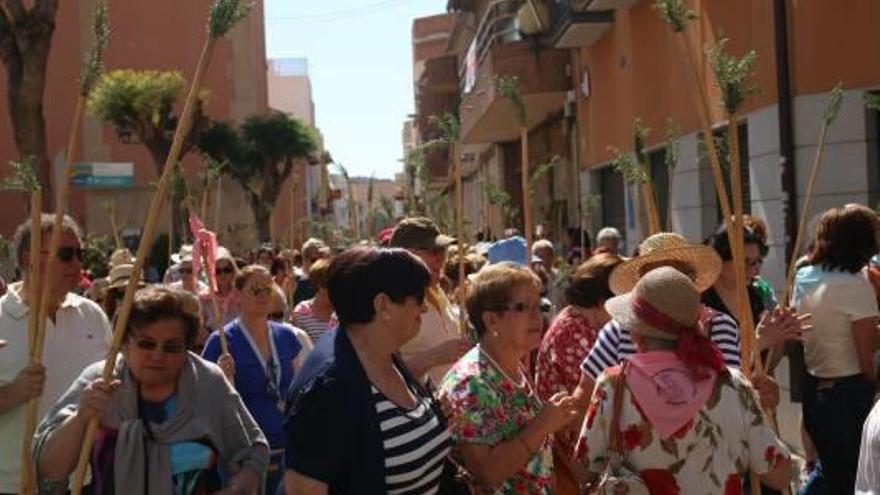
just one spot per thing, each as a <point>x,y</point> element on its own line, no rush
<point>614,444</point>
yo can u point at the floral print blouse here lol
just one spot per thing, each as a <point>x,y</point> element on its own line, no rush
<point>726,438</point>
<point>563,349</point>
<point>484,407</point>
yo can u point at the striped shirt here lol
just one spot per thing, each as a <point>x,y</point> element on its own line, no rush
<point>415,443</point>
<point>304,317</point>
<point>614,344</point>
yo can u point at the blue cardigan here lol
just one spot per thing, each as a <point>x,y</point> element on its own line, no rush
<point>332,426</point>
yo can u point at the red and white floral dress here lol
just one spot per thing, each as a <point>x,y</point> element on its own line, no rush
<point>726,438</point>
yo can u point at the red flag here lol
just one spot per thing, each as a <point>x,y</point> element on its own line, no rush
<point>204,245</point>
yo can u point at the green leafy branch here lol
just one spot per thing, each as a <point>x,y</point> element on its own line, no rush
<point>511,89</point>
<point>671,152</point>
<point>23,177</point>
<point>732,74</point>
<point>833,108</point>
<point>627,165</point>
<point>93,64</point>
<point>676,13</point>
<point>448,126</point>
<point>640,137</point>
<point>542,170</point>
<point>872,101</point>
<point>225,14</point>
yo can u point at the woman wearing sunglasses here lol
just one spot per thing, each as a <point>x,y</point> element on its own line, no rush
<point>500,425</point>
<point>261,359</point>
<point>169,421</point>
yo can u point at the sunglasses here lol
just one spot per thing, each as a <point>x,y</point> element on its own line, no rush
<point>66,254</point>
<point>224,271</point>
<point>262,290</point>
<point>167,347</point>
<point>753,263</point>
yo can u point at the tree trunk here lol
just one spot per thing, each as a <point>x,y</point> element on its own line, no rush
<point>262,216</point>
<point>25,62</point>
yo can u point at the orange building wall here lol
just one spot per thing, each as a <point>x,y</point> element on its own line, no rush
<point>160,34</point>
<point>637,70</point>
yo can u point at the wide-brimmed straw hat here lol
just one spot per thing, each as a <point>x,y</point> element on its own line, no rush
<point>119,277</point>
<point>671,248</point>
<point>663,304</point>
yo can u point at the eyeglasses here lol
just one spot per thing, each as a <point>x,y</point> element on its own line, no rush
<point>262,290</point>
<point>522,307</point>
<point>754,262</point>
<point>167,347</point>
<point>276,316</point>
<point>224,271</point>
<point>67,253</point>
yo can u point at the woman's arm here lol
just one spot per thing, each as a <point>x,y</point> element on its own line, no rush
<point>491,465</point>
<point>246,481</point>
<point>865,336</point>
<point>298,484</point>
<point>60,452</point>
<point>779,477</point>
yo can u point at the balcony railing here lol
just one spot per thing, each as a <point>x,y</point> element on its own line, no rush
<point>497,25</point>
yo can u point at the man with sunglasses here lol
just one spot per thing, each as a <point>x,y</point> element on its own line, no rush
<point>77,334</point>
<point>439,342</point>
<point>312,250</point>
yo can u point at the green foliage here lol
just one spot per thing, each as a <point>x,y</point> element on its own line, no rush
<point>497,196</point>
<point>833,108</point>
<point>542,170</point>
<point>872,101</point>
<point>93,65</point>
<point>131,97</point>
<point>178,188</point>
<point>448,126</point>
<point>627,165</point>
<point>225,14</point>
<point>733,75</point>
<point>96,254</point>
<point>510,88</point>
<point>640,136</point>
<point>590,204</point>
<point>24,176</point>
<point>676,13</point>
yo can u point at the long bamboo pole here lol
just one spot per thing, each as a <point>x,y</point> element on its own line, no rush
<point>149,232</point>
<point>701,100</point>
<point>27,481</point>
<point>527,197</point>
<point>117,238</point>
<point>735,237</point>
<point>217,199</point>
<point>46,290</point>
<point>459,220</point>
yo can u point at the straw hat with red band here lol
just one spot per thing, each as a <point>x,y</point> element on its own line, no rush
<point>665,305</point>
<point>668,248</point>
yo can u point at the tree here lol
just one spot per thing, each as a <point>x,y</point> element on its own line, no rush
<point>140,105</point>
<point>25,40</point>
<point>260,156</point>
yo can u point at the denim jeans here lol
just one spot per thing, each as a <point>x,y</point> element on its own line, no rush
<point>834,413</point>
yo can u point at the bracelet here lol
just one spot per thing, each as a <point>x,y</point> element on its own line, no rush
<point>529,451</point>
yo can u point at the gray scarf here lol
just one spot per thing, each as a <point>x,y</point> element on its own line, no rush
<point>208,408</point>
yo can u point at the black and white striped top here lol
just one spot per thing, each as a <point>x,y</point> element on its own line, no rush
<point>415,443</point>
<point>614,344</point>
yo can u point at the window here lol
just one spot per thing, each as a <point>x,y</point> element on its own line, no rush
<point>611,188</point>
<point>659,170</point>
<point>873,138</point>
<point>720,135</point>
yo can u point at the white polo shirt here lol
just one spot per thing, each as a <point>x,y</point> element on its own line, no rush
<point>79,336</point>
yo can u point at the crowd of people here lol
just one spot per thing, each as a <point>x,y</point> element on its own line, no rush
<point>348,371</point>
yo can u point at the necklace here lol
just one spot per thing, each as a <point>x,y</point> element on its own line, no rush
<point>523,382</point>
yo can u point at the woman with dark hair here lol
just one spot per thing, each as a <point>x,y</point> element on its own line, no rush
<point>839,352</point>
<point>501,426</point>
<point>672,412</point>
<point>169,422</point>
<point>358,421</point>
<point>262,359</point>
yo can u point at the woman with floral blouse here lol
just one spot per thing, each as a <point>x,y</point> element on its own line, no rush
<point>688,424</point>
<point>500,425</point>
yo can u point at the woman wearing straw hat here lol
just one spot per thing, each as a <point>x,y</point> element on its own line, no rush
<point>684,422</point>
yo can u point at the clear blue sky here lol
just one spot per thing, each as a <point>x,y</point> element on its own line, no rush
<point>360,63</point>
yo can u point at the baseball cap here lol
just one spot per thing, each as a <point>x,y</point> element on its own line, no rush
<point>419,233</point>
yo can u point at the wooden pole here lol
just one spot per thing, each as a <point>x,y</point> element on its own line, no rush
<point>217,199</point>
<point>28,477</point>
<point>459,220</point>
<point>735,237</point>
<point>527,199</point>
<point>149,232</point>
<point>117,239</point>
<point>701,100</point>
